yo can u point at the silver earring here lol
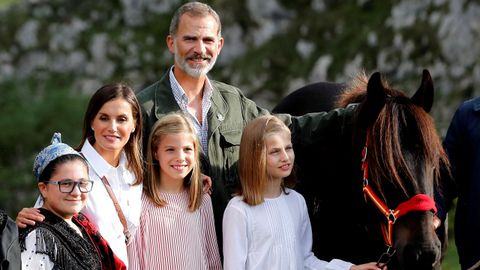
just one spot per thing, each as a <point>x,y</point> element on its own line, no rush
<point>133,130</point>
<point>92,128</point>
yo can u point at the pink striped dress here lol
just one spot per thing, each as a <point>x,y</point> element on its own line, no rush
<point>173,237</point>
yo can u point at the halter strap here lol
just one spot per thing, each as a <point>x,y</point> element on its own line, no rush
<point>419,202</point>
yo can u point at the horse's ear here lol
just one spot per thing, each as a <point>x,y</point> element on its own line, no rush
<point>374,102</point>
<point>424,95</point>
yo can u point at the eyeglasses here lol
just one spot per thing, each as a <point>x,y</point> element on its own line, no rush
<point>67,185</point>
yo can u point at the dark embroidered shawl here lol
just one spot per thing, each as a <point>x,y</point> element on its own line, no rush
<point>3,219</point>
<point>62,244</point>
<point>109,260</point>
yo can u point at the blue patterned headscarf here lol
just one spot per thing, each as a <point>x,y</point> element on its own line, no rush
<point>50,153</point>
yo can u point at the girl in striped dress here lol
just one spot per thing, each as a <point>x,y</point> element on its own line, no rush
<point>176,229</point>
<point>267,225</point>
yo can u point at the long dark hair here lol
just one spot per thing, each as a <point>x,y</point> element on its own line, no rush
<point>133,148</point>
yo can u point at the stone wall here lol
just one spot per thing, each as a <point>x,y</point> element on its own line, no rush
<point>271,46</point>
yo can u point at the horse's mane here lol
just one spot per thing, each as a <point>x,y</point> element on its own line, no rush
<point>355,91</point>
<point>389,139</point>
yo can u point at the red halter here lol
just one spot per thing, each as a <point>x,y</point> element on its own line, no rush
<point>419,202</point>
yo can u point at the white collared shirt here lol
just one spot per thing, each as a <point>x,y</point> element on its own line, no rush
<point>100,209</point>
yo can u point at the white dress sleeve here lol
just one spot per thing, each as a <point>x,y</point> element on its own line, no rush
<point>311,262</point>
<point>31,259</point>
<point>337,264</point>
<point>235,241</point>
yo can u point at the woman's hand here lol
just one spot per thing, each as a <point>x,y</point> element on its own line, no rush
<point>28,216</point>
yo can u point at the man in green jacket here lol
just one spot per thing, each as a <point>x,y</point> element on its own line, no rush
<point>219,111</point>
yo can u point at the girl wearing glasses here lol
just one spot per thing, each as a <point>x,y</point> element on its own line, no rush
<point>112,130</point>
<point>65,239</point>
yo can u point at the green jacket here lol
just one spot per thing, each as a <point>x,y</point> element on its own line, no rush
<point>229,113</point>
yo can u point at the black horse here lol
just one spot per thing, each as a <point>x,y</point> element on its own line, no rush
<point>315,97</point>
<point>349,199</point>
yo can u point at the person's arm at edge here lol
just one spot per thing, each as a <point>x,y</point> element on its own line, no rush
<point>29,216</point>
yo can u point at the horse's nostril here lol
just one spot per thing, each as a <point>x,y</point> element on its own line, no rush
<point>418,257</point>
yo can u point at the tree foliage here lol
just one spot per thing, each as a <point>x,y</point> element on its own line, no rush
<point>31,112</point>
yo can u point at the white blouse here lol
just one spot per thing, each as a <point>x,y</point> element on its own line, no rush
<point>31,260</point>
<point>100,209</point>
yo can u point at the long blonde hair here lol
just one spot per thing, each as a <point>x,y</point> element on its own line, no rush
<point>253,158</point>
<point>172,123</point>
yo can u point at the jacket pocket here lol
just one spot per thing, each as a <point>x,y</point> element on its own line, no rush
<point>230,144</point>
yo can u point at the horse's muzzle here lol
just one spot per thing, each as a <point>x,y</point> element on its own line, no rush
<point>421,257</point>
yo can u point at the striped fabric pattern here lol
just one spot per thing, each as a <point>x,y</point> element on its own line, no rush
<point>172,237</point>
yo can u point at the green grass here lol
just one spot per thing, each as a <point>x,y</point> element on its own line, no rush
<point>450,261</point>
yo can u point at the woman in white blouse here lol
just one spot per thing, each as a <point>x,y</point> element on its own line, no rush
<point>110,143</point>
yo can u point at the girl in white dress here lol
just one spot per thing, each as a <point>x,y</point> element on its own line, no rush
<point>267,225</point>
